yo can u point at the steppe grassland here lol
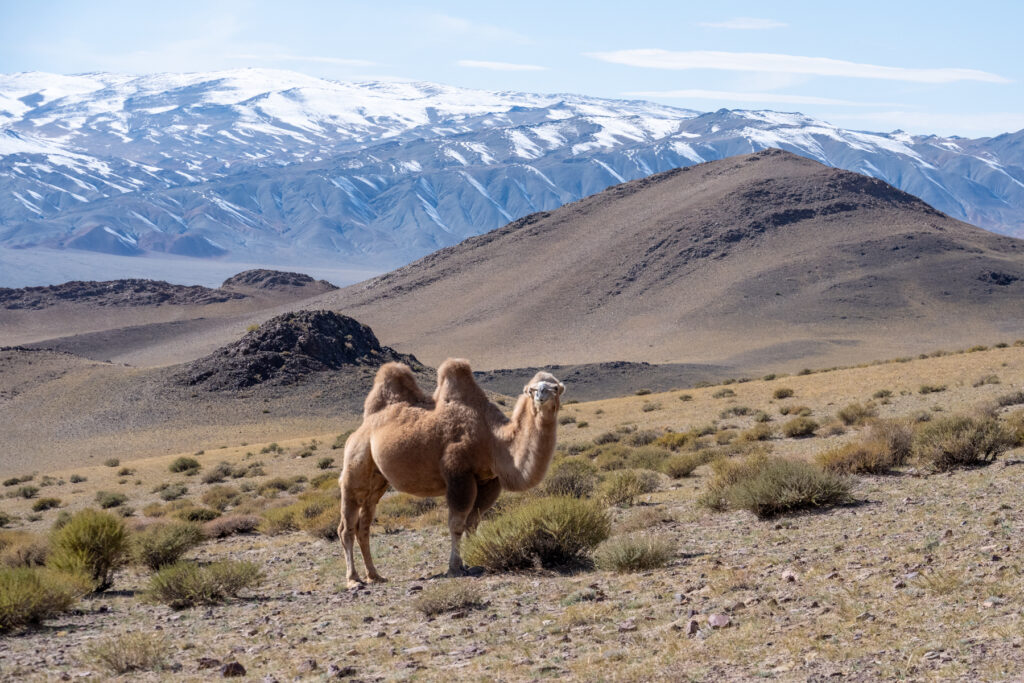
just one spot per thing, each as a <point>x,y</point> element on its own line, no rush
<point>921,579</point>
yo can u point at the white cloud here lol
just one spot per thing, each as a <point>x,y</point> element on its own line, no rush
<point>466,28</point>
<point>745,24</point>
<point>500,66</point>
<point>767,62</point>
<point>752,97</point>
<point>339,61</point>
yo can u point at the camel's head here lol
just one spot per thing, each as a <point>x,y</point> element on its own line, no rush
<point>545,390</point>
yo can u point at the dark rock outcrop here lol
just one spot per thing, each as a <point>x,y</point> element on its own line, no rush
<point>273,279</point>
<point>286,349</point>
<point>113,293</point>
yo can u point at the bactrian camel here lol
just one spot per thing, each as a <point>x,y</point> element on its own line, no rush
<point>457,444</point>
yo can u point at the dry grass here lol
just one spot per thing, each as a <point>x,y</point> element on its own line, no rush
<point>186,584</point>
<point>634,553</point>
<point>769,486</point>
<point>448,596</point>
<point>130,652</point>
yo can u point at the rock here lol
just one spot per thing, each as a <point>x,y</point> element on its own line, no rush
<point>692,627</point>
<point>789,575</point>
<point>900,584</point>
<point>337,671</point>
<point>207,663</point>
<point>419,649</point>
<point>719,620</point>
<point>232,670</point>
<point>307,666</point>
<point>627,625</point>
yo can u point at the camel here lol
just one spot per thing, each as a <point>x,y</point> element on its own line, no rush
<point>455,443</point>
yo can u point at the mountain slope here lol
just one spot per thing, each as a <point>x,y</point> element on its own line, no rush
<point>751,261</point>
<point>275,167</point>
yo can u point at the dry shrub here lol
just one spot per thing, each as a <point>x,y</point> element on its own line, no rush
<point>960,441</point>
<point>855,414</point>
<point>574,477</point>
<point>130,652</point>
<point>318,513</point>
<point>675,441</point>
<point>22,549</point>
<point>634,553</point>
<point>726,436</point>
<point>397,507</point>
<point>642,438</point>
<point>184,464</point>
<point>162,544</point>
<point>759,432</point>
<point>782,392</point>
<point>218,473</point>
<point>1015,424</point>
<point>863,457</point>
<point>221,497</point>
<point>985,379</point>
<point>195,513</point>
<point>799,427</point>
<point>607,437</point>
<point>897,436</point>
<point>1015,398</point>
<point>683,464</point>
<point>186,584</point>
<point>171,492</point>
<point>622,487</point>
<point>448,596</point>
<point>610,457</point>
<point>94,544</point>
<point>646,457</point>
<point>552,532</point>
<point>30,595</point>
<point>931,388</point>
<point>231,525</point>
<point>45,504</point>
<point>769,486</point>
<point>110,499</point>
<point>278,520</point>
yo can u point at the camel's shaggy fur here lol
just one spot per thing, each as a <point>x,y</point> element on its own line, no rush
<point>457,444</point>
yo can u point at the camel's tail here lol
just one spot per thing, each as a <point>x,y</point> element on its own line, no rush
<point>394,383</point>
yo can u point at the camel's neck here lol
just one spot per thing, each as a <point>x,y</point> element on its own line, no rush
<point>526,445</point>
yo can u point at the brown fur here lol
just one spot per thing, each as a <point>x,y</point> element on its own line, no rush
<point>459,445</point>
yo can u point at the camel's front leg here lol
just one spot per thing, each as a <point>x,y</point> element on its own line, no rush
<point>365,520</point>
<point>461,494</point>
<point>347,533</point>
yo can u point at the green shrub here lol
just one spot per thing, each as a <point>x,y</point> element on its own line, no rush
<point>985,379</point>
<point>187,584</point>
<point>110,499</point>
<point>1015,398</point>
<point>448,596</point>
<point>221,497</point>
<point>611,457</point>
<point>163,544</point>
<point>45,504</point>
<point>184,464</point>
<point>552,532</point>
<point>318,513</point>
<point>574,477</point>
<point>622,487</point>
<point>325,463</point>
<point>799,427</point>
<point>94,544</point>
<point>218,473</point>
<point>734,411</point>
<point>855,414</point>
<point>111,462</point>
<point>682,464</point>
<point>931,388</point>
<point>77,479</point>
<point>172,491</point>
<point>278,520</point>
<point>960,441</point>
<point>723,393</point>
<point>769,486</point>
<point>194,513</point>
<point>634,553</point>
<point>339,441</point>
<point>275,448</point>
<point>759,432</point>
<point>30,595</point>
<point>130,652</point>
<point>782,392</point>
<point>882,393</point>
<point>28,492</point>
<point>398,507</point>
<point>646,457</point>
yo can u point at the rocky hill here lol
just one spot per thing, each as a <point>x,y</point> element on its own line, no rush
<point>263,279</point>
<point>113,293</point>
<point>286,349</point>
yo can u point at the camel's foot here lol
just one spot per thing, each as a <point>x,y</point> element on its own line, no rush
<point>355,583</point>
<point>454,572</point>
<point>376,578</point>
<point>475,571</point>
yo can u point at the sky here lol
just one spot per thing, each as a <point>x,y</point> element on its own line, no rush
<point>949,68</point>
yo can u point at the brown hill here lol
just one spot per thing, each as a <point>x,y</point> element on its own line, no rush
<point>760,261</point>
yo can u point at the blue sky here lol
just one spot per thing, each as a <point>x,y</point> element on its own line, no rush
<point>926,67</point>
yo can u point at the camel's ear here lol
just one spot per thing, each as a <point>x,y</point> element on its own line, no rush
<point>528,389</point>
<point>561,388</point>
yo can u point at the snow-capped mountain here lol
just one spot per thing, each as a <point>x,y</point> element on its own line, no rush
<point>278,167</point>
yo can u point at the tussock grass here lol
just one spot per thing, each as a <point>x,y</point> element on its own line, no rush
<point>30,595</point>
<point>759,432</point>
<point>960,441</point>
<point>45,504</point>
<point>162,544</point>
<point>574,477</point>
<point>623,487</point>
<point>551,532</point>
<point>184,464</point>
<point>634,553</point>
<point>186,584</point>
<point>448,596</point>
<point>683,464</point>
<point>862,457</point>
<point>782,392</point>
<point>94,544</point>
<point>221,497</point>
<point>770,486</point>
<point>398,507</point>
<point>799,427</point>
<point>855,414</point>
<point>931,388</point>
<point>22,549</point>
<point>130,652</point>
<point>231,525</point>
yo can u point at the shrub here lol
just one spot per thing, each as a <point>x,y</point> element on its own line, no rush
<point>186,584</point>
<point>25,492</point>
<point>866,457</point>
<point>634,553</point>
<point>110,499</point>
<point>960,441</point>
<point>1013,399</point>
<point>574,477</point>
<point>13,481</point>
<point>278,520</point>
<point>612,457</point>
<point>325,463</point>
<point>130,652</point>
<point>882,393</point>
<point>76,479</point>
<point>723,393</point>
<point>94,544</point>
<point>221,497</point>
<point>551,532</point>
<point>45,504</point>
<point>855,414</point>
<point>318,513</point>
<point>682,464</point>
<point>797,411</point>
<point>607,437</point>
<point>28,596</point>
<point>726,436</point>
<point>782,392</point>
<point>402,506</point>
<point>646,457</point>
<point>799,427</point>
<point>163,544</point>
<point>273,486</point>
<point>676,440</point>
<point>184,464</point>
<point>566,419</point>
<point>685,397</point>
<point>125,472</point>
<point>769,486</point>
<point>339,441</point>
<point>762,416</point>
<point>448,596</point>
<point>275,448</point>
<point>897,437</point>
<point>22,549</point>
<point>985,379</point>
<point>759,432</point>
<point>218,473</point>
<point>231,525</point>
<point>624,486</point>
<point>582,424</point>
<point>194,513</point>
<point>173,491</point>
<point>642,438</point>
<point>111,462</point>
<point>931,388</point>
<point>734,411</point>
<point>642,392</point>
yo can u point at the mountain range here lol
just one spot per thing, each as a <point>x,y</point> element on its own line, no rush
<point>279,168</point>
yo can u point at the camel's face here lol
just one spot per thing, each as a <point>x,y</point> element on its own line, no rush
<point>544,389</point>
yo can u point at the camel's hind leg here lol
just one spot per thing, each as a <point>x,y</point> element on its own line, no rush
<point>365,520</point>
<point>461,495</point>
<point>359,480</point>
